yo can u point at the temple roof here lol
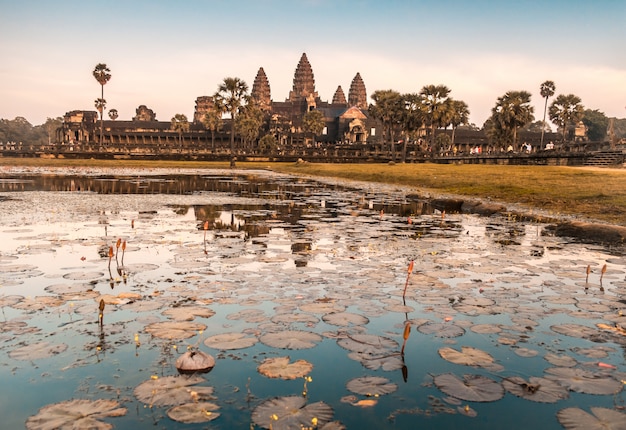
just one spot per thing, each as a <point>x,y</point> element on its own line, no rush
<point>339,97</point>
<point>303,81</point>
<point>261,90</point>
<point>357,95</point>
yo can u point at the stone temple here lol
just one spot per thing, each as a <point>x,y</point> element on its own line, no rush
<point>346,121</point>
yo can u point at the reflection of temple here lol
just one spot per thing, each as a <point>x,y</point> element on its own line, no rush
<point>345,121</point>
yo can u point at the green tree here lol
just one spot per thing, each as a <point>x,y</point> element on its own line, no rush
<point>268,144</point>
<point>180,124</point>
<point>413,116</point>
<point>511,112</point>
<point>232,94</point>
<point>249,123</point>
<point>566,111</point>
<point>546,90</point>
<point>597,125</point>
<point>51,126</point>
<point>103,75</point>
<point>437,107</point>
<point>459,115</point>
<point>313,122</point>
<point>212,120</point>
<point>388,108</point>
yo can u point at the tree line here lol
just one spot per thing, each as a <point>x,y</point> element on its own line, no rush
<point>404,117</point>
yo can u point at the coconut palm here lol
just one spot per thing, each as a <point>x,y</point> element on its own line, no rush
<point>232,94</point>
<point>566,111</point>
<point>546,90</point>
<point>437,109</point>
<point>103,75</point>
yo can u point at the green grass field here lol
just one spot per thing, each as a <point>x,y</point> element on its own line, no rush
<point>594,193</point>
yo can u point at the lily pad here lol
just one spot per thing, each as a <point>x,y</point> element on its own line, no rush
<point>583,381</point>
<point>367,344</point>
<point>173,390</point>
<point>472,388</point>
<point>292,412</point>
<point>291,339</point>
<point>76,414</point>
<point>345,319</point>
<point>188,313</point>
<point>371,386</point>
<point>536,389</point>
<point>468,356</point>
<point>174,329</point>
<point>280,367</point>
<point>227,341</point>
<point>37,350</point>
<point>602,419</point>
<point>442,329</point>
<point>193,413</point>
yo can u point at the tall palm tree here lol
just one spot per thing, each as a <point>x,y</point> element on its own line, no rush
<point>103,75</point>
<point>313,122</point>
<point>412,119</point>
<point>388,108</point>
<point>566,111</point>
<point>232,94</point>
<point>459,115</point>
<point>113,114</point>
<point>180,124</point>
<point>435,101</point>
<point>512,111</point>
<point>546,90</point>
<point>212,120</point>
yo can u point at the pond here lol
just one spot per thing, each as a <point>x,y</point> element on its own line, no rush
<point>323,305</point>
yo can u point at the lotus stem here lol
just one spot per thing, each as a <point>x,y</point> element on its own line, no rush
<point>408,275</point>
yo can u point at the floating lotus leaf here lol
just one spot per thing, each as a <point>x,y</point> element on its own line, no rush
<point>193,413</point>
<point>322,307</point>
<point>442,329</point>
<point>576,330</point>
<point>17,327</point>
<point>367,344</point>
<point>248,315</point>
<point>371,386</point>
<point>10,300</point>
<point>486,328</point>
<point>37,350</point>
<point>173,390</point>
<point>602,419</point>
<point>292,412</point>
<point>345,319</point>
<point>174,329</point>
<point>472,388</point>
<point>143,305</point>
<point>194,361</point>
<point>38,303</point>
<point>583,381</point>
<point>83,276</point>
<point>468,356</point>
<point>536,389</point>
<point>76,414</point>
<point>279,367</point>
<point>385,361</point>
<point>291,339</point>
<point>288,318</point>
<point>226,341</point>
<point>525,352</point>
<point>560,360</point>
<point>188,313</point>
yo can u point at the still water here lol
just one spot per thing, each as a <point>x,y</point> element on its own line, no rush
<point>303,294</point>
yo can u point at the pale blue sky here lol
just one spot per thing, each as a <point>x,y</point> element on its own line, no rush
<point>164,54</point>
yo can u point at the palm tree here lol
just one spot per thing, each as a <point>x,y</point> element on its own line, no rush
<point>180,124</point>
<point>113,114</point>
<point>102,75</point>
<point>512,111</point>
<point>387,108</point>
<point>313,122</point>
<point>546,90</point>
<point>212,120</point>
<point>566,111</point>
<point>412,119</point>
<point>437,109</point>
<point>232,94</point>
<point>459,115</point>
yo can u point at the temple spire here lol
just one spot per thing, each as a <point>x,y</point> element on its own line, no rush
<point>261,90</point>
<point>303,81</point>
<point>339,97</point>
<point>357,95</point>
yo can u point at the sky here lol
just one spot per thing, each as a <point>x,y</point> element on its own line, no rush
<point>165,54</point>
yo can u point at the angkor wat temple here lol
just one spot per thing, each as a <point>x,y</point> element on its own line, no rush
<point>349,132</point>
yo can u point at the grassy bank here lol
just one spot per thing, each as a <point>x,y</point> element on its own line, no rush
<point>592,193</point>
